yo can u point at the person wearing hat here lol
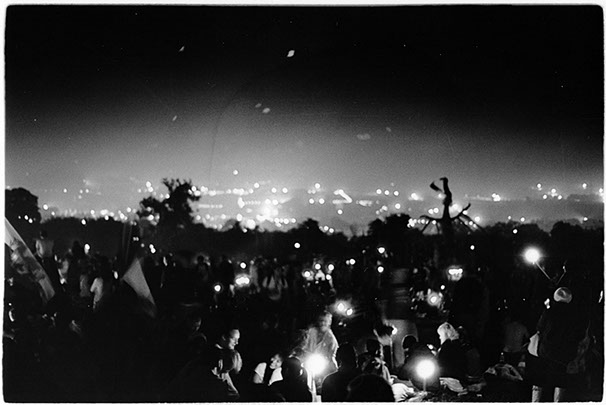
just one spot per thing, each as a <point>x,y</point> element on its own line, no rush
<point>560,328</point>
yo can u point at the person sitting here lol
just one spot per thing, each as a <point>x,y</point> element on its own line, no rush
<point>334,386</point>
<point>267,373</point>
<point>451,356</point>
<point>369,388</point>
<point>292,387</point>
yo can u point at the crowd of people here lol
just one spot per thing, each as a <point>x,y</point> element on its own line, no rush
<point>269,338</point>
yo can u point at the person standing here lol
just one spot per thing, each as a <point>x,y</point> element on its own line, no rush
<point>561,327</point>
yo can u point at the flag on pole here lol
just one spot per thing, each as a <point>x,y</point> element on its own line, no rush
<point>135,278</point>
<point>25,263</point>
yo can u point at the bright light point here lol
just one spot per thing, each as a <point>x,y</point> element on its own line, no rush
<point>341,307</point>
<point>414,197</point>
<point>349,312</point>
<point>584,186</point>
<point>317,266</point>
<point>532,255</point>
<point>396,193</point>
<point>544,196</point>
<point>433,300</point>
<point>317,186</point>
<point>86,248</point>
<point>398,206</point>
<point>217,287</point>
<point>477,219</point>
<point>285,190</point>
<point>297,245</point>
<point>315,364</point>
<point>242,280</point>
<point>321,201</point>
<point>442,287</point>
<point>352,261</point>
<point>312,201</point>
<point>601,190</point>
<point>307,274</point>
<point>45,207</point>
<point>328,277</point>
<point>235,172</point>
<point>152,248</point>
<point>83,222</point>
<point>496,197</point>
<point>560,197</point>
<point>386,192</point>
<point>539,186</point>
<point>426,369</point>
<point>274,190</point>
<point>522,219</point>
<point>291,53</point>
<point>472,247</point>
<point>266,110</point>
<point>256,185</point>
<point>380,269</point>
<point>553,191</point>
<point>340,212</point>
<point>379,191</point>
<point>394,331</point>
<point>585,219</point>
<point>65,190</point>
<point>148,184</point>
<point>242,265</point>
<point>331,267</point>
<point>515,231</point>
<point>381,249</point>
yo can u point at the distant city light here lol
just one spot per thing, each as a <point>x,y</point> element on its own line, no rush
<point>317,266</point>
<point>472,247</point>
<point>544,196</point>
<point>442,287</point>
<point>307,274</point>
<point>83,222</point>
<point>477,219</point>
<point>321,201</point>
<point>560,197</point>
<point>553,191</point>
<point>539,186</point>
<point>379,191</point>
<point>585,219</point>
<point>341,307</point>
<point>515,231</point>
<point>311,201</point>
<point>584,186</point>
<point>352,261</point>
<point>381,250</point>
<point>297,245</point>
<point>331,267</point>
<point>64,190</point>
<point>235,172</point>
<point>152,248</point>
<point>340,212</point>
<point>398,206</point>
<point>45,207</point>
<point>349,312</point>
<point>455,273</point>
<point>386,192</point>
<point>415,197</point>
<point>396,193</point>
<point>217,287</point>
<point>242,265</point>
<point>274,190</point>
<point>317,186</point>
<point>86,248</point>
<point>285,190</point>
<point>380,269</point>
<point>256,185</point>
<point>328,277</point>
<point>522,219</point>
<point>496,197</point>
<point>242,280</point>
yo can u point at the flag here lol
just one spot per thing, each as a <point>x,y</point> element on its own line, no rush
<point>134,277</point>
<point>25,263</point>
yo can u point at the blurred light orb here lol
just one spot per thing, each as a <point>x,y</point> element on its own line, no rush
<point>242,265</point>
<point>426,368</point>
<point>380,269</point>
<point>217,287</point>
<point>532,255</point>
<point>341,307</point>
<point>331,267</point>
<point>472,247</point>
<point>297,245</point>
<point>242,280</point>
<point>381,249</point>
<point>349,312</point>
<point>317,266</point>
<point>316,364</point>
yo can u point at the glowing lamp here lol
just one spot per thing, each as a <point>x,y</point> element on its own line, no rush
<point>425,369</point>
<point>217,287</point>
<point>455,273</point>
<point>307,274</point>
<point>242,280</point>
<point>434,299</point>
<point>331,267</point>
<point>328,277</point>
<point>316,364</point>
<point>152,248</point>
<point>349,312</point>
<point>381,250</point>
<point>532,255</point>
<point>394,331</point>
<point>341,307</point>
<point>297,245</point>
<point>380,269</point>
<point>318,266</point>
<point>242,265</point>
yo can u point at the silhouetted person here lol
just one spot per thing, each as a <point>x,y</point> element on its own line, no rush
<point>293,388</point>
<point>369,388</point>
<point>334,386</point>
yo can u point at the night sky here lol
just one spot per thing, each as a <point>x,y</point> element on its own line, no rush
<point>497,98</point>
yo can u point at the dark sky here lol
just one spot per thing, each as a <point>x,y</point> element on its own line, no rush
<point>498,98</point>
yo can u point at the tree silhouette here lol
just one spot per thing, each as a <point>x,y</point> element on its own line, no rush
<point>22,212</point>
<point>174,212</point>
